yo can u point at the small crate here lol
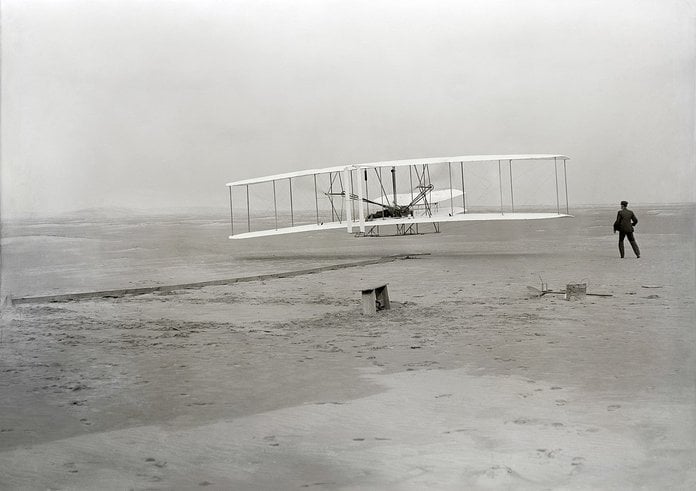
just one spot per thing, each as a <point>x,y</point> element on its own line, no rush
<point>375,299</point>
<point>576,291</point>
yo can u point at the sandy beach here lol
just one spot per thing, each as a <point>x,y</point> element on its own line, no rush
<point>469,381</point>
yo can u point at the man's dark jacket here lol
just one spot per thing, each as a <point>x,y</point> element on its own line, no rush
<point>625,220</point>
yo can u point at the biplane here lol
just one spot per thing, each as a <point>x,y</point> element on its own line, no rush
<point>400,195</point>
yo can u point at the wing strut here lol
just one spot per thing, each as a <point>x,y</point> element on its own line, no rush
<point>231,213</point>
<point>248,210</point>
<point>461,167</point>
<point>367,190</point>
<point>292,213</point>
<point>334,212</point>
<point>449,168</point>
<point>500,186</point>
<point>348,205</point>
<point>555,169</point>
<point>381,185</point>
<point>512,193</point>
<point>275,205</point>
<point>565,178</point>
<point>316,198</point>
<point>361,211</point>
<point>410,179</point>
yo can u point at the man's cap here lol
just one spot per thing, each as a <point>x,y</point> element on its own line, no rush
<point>624,203</point>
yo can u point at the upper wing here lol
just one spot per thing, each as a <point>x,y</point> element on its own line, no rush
<point>288,175</point>
<point>401,163</point>
<point>464,158</point>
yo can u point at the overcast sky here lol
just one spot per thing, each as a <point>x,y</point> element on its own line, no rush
<point>155,103</point>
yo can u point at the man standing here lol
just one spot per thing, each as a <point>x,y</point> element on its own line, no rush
<point>625,221</point>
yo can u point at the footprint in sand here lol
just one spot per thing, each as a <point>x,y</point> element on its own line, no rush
<point>549,453</point>
<point>497,475</point>
<point>155,462</point>
<point>577,465</point>
<point>271,439</point>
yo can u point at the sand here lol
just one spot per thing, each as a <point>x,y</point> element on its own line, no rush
<point>470,381</point>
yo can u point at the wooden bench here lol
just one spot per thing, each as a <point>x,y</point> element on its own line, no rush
<point>374,299</point>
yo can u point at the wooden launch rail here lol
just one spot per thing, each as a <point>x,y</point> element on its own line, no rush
<point>67,297</point>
